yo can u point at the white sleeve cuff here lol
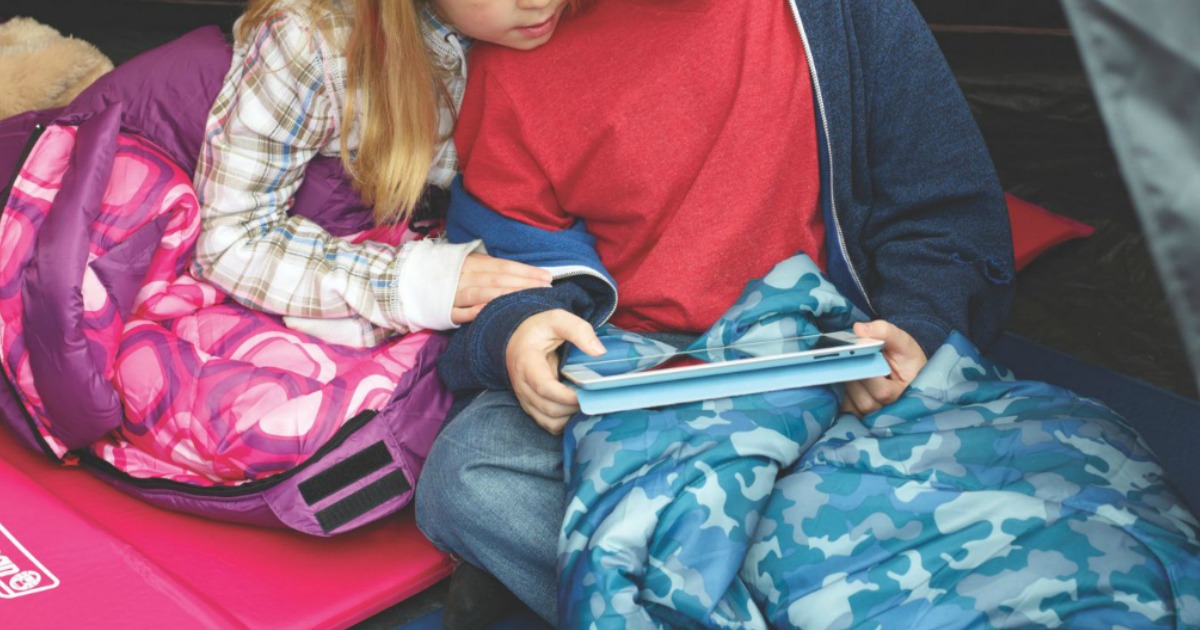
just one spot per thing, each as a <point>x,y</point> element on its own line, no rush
<point>355,332</point>
<point>427,276</point>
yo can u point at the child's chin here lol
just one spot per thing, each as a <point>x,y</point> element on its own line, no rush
<point>530,44</point>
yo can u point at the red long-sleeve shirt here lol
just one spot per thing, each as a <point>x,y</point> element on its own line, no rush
<point>694,173</point>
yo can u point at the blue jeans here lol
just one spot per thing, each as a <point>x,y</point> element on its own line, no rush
<point>491,493</point>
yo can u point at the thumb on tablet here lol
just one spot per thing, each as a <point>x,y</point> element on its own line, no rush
<point>572,328</point>
<point>899,348</point>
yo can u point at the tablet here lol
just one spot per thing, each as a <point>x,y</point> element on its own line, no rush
<point>601,373</point>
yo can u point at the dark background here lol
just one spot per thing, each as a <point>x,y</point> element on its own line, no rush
<point>1098,299</point>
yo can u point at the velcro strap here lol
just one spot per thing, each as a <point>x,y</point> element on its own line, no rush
<point>345,472</point>
<point>377,493</point>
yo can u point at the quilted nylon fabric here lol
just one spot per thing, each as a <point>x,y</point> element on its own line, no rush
<point>973,501</point>
<point>210,392</point>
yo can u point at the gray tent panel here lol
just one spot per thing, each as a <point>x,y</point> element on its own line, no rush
<point>1144,62</point>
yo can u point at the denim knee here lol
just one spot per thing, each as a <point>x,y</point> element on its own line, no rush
<point>492,494</point>
<point>436,495</point>
<point>488,460</point>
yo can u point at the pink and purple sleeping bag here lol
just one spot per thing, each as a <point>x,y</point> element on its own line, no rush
<point>117,358</point>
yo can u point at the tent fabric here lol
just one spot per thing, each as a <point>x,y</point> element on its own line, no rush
<point>981,15</point>
<point>1098,299</point>
<point>1145,69</point>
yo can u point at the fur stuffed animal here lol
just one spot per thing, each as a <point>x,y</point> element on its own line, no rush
<point>39,68</point>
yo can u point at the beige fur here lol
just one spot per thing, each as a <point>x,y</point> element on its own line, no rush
<point>39,68</point>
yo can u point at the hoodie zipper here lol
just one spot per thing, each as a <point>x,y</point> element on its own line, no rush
<point>599,276</point>
<point>837,225</point>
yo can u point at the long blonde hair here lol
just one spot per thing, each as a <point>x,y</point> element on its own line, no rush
<point>389,65</point>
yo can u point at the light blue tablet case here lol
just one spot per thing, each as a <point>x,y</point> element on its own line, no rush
<point>692,389</point>
<point>793,300</point>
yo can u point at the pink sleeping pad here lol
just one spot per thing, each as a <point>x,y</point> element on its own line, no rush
<point>75,551</point>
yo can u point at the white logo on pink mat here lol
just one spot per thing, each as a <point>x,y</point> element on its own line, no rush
<point>21,573</point>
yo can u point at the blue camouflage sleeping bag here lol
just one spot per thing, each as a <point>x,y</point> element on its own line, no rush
<point>973,501</point>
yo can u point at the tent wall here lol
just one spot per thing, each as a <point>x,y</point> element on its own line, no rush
<point>1145,69</point>
<point>993,15</point>
<point>1099,299</point>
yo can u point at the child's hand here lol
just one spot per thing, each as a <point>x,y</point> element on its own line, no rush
<point>484,278</point>
<point>532,359</point>
<point>905,356</point>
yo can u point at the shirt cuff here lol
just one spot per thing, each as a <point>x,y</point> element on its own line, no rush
<point>355,332</point>
<point>427,274</point>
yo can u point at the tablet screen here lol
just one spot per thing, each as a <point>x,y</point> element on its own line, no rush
<point>773,351</point>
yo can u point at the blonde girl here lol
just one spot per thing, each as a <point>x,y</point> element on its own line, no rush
<point>376,82</point>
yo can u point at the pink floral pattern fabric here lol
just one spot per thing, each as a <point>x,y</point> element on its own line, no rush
<point>213,393</point>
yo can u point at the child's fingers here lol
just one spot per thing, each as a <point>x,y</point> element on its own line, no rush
<point>548,416</point>
<point>533,365</point>
<point>544,398</point>
<point>891,335</point>
<point>473,294</point>
<point>484,264</point>
<point>503,280</point>
<point>552,425</point>
<point>873,394</point>
<point>542,379</point>
<point>870,330</point>
<point>848,405</point>
<point>467,297</point>
<point>484,279</point>
<point>860,398</point>
<point>881,389</point>
<point>901,350</point>
<point>514,268</point>
<point>511,281</point>
<point>555,399</point>
<point>572,328</point>
<point>465,315</point>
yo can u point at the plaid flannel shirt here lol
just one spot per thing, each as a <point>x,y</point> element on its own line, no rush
<point>281,105</point>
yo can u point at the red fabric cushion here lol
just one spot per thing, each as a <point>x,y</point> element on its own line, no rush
<point>1036,229</point>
